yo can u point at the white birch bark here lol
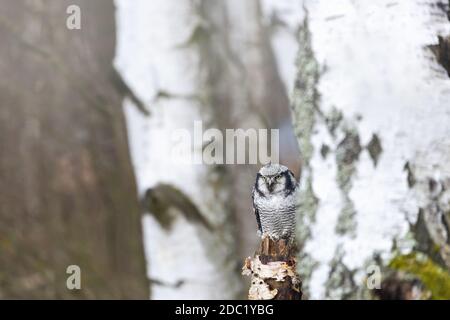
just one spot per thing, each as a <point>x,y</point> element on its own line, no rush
<point>159,56</point>
<point>369,101</point>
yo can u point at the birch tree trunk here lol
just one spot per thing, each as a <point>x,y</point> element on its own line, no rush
<point>371,112</point>
<point>234,73</point>
<point>178,68</point>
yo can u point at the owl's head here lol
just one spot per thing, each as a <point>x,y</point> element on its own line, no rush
<point>275,178</point>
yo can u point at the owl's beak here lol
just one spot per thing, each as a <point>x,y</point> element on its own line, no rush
<point>270,184</point>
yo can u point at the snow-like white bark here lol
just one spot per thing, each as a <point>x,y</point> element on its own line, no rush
<point>157,61</point>
<point>377,81</point>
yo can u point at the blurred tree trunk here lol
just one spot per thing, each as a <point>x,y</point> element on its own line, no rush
<point>180,66</point>
<point>371,114</point>
<point>67,189</point>
<point>229,79</point>
<point>261,101</point>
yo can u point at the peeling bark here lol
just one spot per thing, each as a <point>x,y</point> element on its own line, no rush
<point>273,272</point>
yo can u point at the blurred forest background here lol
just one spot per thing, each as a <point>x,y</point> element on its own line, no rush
<point>359,90</point>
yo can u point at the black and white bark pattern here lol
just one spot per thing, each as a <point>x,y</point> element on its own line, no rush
<point>370,100</point>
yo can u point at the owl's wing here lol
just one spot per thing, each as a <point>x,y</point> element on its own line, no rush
<point>255,210</point>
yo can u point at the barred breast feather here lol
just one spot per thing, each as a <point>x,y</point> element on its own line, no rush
<point>276,215</point>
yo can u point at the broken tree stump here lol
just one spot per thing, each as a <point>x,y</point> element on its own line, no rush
<point>273,271</point>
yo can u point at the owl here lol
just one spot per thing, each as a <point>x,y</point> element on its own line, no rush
<point>275,200</point>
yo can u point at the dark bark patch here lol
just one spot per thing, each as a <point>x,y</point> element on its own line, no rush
<point>324,150</point>
<point>160,199</point>
<point>442,52</point>
<point>333,120</point>
<point>396,288</point>
<point>445,7</point>
<point>374,148</point>
<point>410,175</point>
<point>349,148</point>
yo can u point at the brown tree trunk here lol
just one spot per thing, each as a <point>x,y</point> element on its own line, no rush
<point>67,189</point>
